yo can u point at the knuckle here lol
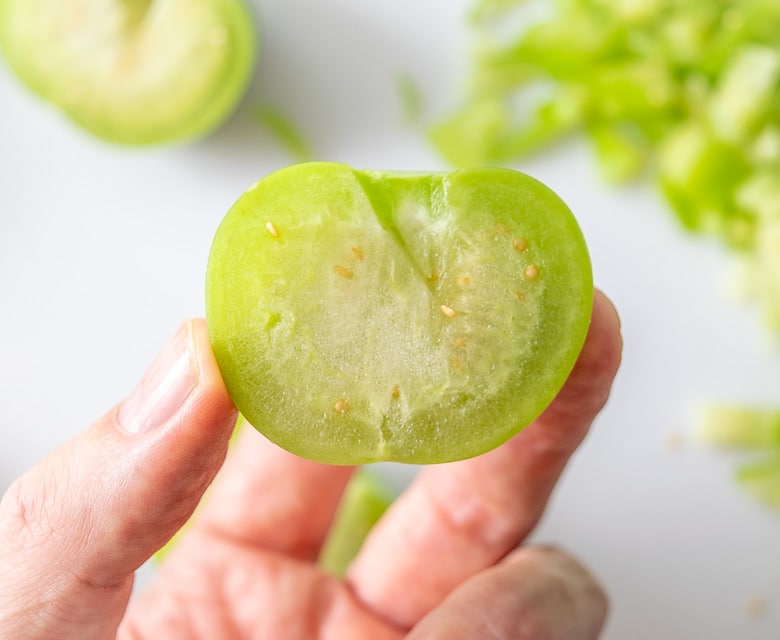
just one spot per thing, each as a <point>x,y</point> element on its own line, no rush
<point>474,517</point>
<point>26,513</point>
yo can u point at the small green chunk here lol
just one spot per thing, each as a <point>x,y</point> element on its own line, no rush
<point>733,426</point>
<point>689,91</point>
<point>365,501</point>
<point>751,429</point>
<point>410,97</point>
<point>762,480</point>
<point>285,132</point>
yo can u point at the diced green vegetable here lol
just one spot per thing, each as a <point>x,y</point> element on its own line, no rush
<point>766,271</point>
<point>284,131</point>
<point>687,88</point>
<point>690,89</point>
<point>621,155</point>
<point>762,480</point>
<point>750,429</point>
<point>744,94</point>
<point>364,502</point>
<point>470,136</point>
<point>410,97</point>
<point>740,427</point>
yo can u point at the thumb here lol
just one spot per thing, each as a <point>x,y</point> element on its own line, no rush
<point>534,593</point>
<point>76,526</point>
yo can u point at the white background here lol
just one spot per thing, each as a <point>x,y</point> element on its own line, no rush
<point>103,252</point>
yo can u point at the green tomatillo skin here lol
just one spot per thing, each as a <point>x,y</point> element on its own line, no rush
<point>134,72</point>
<point>362,316</point>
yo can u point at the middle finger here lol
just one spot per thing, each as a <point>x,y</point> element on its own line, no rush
<point>462,517</point>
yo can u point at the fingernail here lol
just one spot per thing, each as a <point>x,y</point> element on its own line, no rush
<point>164,387</point>
<point>586,600</point>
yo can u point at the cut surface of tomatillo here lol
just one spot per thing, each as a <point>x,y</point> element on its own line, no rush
<point>361,316</point>
<point>133,71</point>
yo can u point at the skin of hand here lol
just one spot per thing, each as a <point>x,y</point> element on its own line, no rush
<point>445,561</point>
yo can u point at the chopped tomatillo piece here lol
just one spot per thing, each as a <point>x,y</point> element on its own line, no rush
<point>748,428</point>
<point>762,480</point>
<point>278,124</point>
<point>133,71</point>
<point>365,501</point>
<point>740,427</point>
<point>359,316</point>
<point>686,91</point>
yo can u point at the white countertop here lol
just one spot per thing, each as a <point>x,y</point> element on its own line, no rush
<point>103,252</point>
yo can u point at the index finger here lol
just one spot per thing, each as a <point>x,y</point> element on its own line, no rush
<point>462,517</point>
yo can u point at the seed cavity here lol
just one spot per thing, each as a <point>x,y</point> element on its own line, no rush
<point>434,276</point>
<point>341,406</point>
<point>520,244</point>
<point>459,342</point>
<point>531,272</point>
<point>448,311</point>
<point>271,228</point>
<point>396,392</point>
<point>358,252</point>
<point>456,364</point>
<point>464,281</point>
<point>344,272</point>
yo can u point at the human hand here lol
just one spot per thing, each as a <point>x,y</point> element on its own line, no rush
<point>444,562</point>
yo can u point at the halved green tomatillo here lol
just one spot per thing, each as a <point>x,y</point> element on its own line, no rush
<point>359,316</point>
<point>133,71</point>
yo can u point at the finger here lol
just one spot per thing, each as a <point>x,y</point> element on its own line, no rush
<point>77,525</point>
<point>459,518</point>
<point>214,589</point>
<point>269,498</point>
<point>536,594</point>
